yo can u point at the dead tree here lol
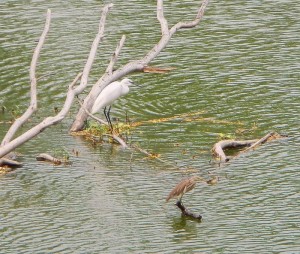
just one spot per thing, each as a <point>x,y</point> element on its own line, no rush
<point>138,65</point>
<point>9,143</point>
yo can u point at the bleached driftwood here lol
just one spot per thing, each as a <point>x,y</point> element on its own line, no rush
<point>33,81</point>
<point>137,65</point>
<point>7,145</point>
<point>218,148</point>
<point>48,158</point>
<point>10,163</point>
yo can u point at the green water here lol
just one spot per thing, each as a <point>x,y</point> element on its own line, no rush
<point>238,70</point>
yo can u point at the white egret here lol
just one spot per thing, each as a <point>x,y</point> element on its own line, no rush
<point>109,94</point>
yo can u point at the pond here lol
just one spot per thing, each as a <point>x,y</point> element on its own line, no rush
<point>236,75</point>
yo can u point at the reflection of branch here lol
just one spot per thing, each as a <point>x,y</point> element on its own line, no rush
<point>33,94</point>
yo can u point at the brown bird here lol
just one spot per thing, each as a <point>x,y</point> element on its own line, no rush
<point>183,187</point>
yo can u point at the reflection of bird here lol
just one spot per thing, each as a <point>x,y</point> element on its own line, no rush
<point>109,94</point>
<point>213,180</point>
<point>184,186</point>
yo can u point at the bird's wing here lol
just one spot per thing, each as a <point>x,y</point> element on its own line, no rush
<point>108,95</point>
<point>180,188</point>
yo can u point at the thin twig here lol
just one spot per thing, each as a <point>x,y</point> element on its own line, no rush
<point>93,51</point>
<point>79,75</point>
<point>193,23</point>
<point>115,55</point>
<point>90,114</point>
<point>160,17</point>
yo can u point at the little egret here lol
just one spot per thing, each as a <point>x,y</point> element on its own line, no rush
<point>183,187</point>
<point>109,94</point>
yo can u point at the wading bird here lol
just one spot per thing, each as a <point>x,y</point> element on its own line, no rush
<point>109,94</point>
<point>183,187</point>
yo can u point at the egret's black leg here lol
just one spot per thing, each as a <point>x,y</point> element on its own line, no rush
<point>106,113</point>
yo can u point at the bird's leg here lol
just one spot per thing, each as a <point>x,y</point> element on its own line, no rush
<point>106,113</point>
<point>179,202</point>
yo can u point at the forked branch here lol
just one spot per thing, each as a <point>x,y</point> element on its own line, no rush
<point>137,65</point>
<point>219,147</point>
<point>72,91</point>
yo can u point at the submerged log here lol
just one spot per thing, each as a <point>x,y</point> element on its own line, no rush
<point>49,158</point>
<point>218,148</point>
<point>186,212</point>
<point>10,163</point>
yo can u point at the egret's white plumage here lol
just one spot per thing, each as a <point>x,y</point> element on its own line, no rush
<point>109,94</point>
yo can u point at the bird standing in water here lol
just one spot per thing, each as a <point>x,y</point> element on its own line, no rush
<point>183,187</point>
<point>109,94</point>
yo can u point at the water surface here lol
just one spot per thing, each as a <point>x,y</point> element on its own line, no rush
<point>238,70</point>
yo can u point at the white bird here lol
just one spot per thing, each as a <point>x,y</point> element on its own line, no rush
<point>109,94</point>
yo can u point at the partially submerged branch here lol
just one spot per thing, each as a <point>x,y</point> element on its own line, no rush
<point>10,163</point>
<point>48,158</point>
<point>34,131</point>
<point>186,212</point>
<point>218,148</point>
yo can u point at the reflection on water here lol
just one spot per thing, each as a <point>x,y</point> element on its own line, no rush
<point>236,73</point>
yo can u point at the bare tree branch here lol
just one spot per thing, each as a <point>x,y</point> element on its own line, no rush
<point>93,51</point>
<point>41,126</point>
<point>33,94</point>
<point>137,65</point>
<point>160,17</point>
<point>115,55</point>
<point>192,23</point>
<point>72,92</point>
